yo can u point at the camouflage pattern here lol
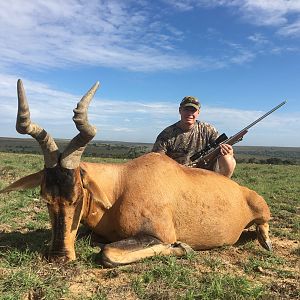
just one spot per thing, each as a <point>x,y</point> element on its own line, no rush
<point>190,101</point>
<point>181,145</point>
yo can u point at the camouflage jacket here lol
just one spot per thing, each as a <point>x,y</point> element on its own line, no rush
<point>181,145</point>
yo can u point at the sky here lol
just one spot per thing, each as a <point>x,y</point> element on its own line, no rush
<point>240,58</point>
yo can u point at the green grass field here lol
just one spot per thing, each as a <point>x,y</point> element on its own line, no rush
<point>242,271</point>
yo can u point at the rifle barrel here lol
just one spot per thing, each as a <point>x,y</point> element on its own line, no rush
<point>233,139</point>
<point>262,117</point>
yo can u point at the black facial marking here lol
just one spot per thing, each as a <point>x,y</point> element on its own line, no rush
<point>59,182</point>
<point>58,232</point>
<point>76,217</point>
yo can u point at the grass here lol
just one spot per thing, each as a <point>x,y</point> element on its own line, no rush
<point>170,278</point>
<point>279,185</point>
<point>243,271</point>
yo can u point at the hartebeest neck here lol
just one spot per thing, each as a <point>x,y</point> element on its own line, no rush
<point>107,177</point>
<point>103,187</point>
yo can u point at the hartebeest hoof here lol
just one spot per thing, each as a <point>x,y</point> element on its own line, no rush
<point>263,239</point>
<point>185,249</point>
<point>59,259</point>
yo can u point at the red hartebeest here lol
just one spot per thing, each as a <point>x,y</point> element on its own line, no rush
<point>147,206</point>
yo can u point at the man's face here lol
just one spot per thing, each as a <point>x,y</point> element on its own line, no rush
<point>188,115</point>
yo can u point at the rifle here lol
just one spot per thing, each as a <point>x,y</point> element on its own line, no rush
<point>207,156</point>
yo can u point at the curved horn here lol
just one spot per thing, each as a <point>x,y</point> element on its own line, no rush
<point>70,158</point>
<point>25,126</point>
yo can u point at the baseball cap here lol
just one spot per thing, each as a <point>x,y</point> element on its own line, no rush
<point>190,101</point>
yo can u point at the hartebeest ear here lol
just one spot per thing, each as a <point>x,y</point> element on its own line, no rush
<point>98,195</point>
<point>27,182</point>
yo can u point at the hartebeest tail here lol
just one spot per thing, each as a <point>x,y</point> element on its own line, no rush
<point>147,206</point>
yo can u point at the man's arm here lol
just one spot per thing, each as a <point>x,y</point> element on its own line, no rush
<point>160,145</point>
<point>226,161</point>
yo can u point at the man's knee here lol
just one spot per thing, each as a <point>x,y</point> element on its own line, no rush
<point>226,166</point>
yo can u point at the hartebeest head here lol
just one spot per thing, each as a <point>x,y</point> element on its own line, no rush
<point>62,181</point>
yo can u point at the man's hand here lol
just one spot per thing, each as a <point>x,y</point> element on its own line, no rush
<point>226,149</point>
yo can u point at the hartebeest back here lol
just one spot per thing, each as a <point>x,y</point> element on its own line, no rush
<point>147,206</point>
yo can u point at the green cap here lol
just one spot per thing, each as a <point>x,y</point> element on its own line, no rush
<point>190,101</point>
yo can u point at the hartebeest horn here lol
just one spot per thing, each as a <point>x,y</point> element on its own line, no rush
<point>25,126</point>
<point>71,156</point>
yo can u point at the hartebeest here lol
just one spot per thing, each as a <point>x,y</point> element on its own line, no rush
<point>147,206</point>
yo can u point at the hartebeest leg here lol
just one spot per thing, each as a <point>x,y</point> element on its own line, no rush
<point>136,248</point>
<point>261,216</point>
<point>263,236</point>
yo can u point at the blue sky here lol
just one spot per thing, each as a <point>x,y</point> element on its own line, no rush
<point>240,58</point>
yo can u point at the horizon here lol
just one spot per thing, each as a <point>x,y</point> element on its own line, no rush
<point>129,142</point>
<point>238,57</point>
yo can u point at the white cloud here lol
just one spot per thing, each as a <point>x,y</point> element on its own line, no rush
<point>291,29</point>
<point>123,129</point>
<point>243,57</point>
<point>281,14</point>
<point>111,33</point>
<point>117,34</point>
<point>52,109</point>
<point>259,39</point>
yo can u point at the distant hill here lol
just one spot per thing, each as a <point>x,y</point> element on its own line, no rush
<point>117,149</point>
<point>113,149</point>
<point>272,155</point>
